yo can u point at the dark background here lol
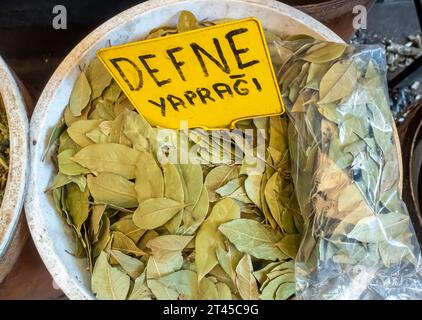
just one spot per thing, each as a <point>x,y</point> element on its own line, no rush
<point>33,48</point>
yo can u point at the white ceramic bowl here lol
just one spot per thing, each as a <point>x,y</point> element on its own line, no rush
<point>12,228</point>
<point>52,238</point>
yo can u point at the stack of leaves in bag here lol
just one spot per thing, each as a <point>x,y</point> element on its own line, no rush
<point>151,229</point>
<point>345,171</point>
<point>4,149</point>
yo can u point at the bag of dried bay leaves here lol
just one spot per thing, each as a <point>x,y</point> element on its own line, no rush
<point>358,241</point>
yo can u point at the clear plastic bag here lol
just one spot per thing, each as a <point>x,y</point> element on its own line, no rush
<point>358,240</point>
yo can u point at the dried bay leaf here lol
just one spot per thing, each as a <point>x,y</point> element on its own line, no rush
<point>149,178</point>
<point>112,92</point>
<point>325,52</point>
<point>375,89</point>
<point>164,264</point>
<point>261,275</point>
<point>95,219</point>
<point>149,234</point>
<point>278,137</point>
<point>61,180</point>
<point>253,188</point>
<point>192,179</point>
<point>81,250</point>
<point>218,177</point>
<point>137,130</point>
<point>288,222</point>
<point>66,143</point>
<point>242,198</point>
<point>80,96</point>
<point>381,227</point>
<point>103,237</point>
<point>129,229</point>
<point>69,167</point>
<point>229,259</point>
<point>187,21</point>
<point>98,77</point>
<point>69,118</point>
<point>396,250</point>
<point>349,198</point>
<point>174,189</point>
<point>208,289</point>
<point>269,292</point>
<point>299,105</point>
<point>221,276</point>
<point>116,132</point>
<point>285,291</point>
<point>279,54</point>
<point>193,217</point>
<point>329,111</point>
<point>342,160</point>
<point>54,137</point>
<point>169,243</point>
<point>125,244</point>
<point>133,267</point>
<point>87,247</point>
<point>77,202</point>
<point>78,130</point>
<point>338,82</point>
<point>206,259</point>
<point>122,104</point>
<point>140,289</point>
<point>230,187</point>
<point>109,283</point>
<point>109,188</point>
<point>173,183</point>
<point>180,285</point>
<point>109,157</point>
<point>289,245</point>
<point>271,192</point>
<point>392,201</point>
<point>351,125</point>
<point>264,206</point>
<point>298,83</point>
<point>253,238</point>
<point>315,74</point>
<point>103,110</point>
<point>97,136</point>
<point>223,291</point>
<point>245,281</point>
<point>290,74</point>
<point>154,213</point>
<point>390,176</point>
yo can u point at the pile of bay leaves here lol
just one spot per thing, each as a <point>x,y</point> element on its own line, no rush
<point>328,195</point>
<point>154,230</point>
<point>358,241</point>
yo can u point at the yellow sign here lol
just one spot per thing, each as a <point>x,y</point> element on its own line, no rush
<point>209,77</point>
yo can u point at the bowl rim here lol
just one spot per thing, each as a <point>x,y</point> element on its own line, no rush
<point>13,200</point>
<point>54,264</point>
